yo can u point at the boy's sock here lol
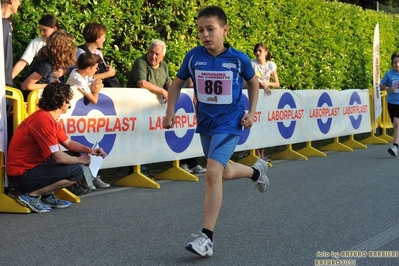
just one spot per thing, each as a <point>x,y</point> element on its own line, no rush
<point>255,175</point>
<point>208,233</point>
<point>395,144</point>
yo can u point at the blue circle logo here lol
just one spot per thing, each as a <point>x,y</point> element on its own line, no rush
<point>176,143</point>
<point>106,106</point>
<point>324,127</point>
<point>286,132</point>
<point>355,98</point>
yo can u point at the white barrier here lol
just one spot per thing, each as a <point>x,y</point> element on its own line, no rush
<point>127,122</point>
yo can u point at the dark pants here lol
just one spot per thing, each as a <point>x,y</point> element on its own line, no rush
<point>44,175</point>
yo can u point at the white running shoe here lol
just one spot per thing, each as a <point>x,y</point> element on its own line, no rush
<point>262,183</point>
<point>97,182</point>
<point>186,168</point>
<point>198,169</point>
<point>201,245</point>
<point>393,150</point>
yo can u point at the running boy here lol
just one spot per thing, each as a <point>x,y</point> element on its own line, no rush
<point>218,71</point>
<point>390,83</point>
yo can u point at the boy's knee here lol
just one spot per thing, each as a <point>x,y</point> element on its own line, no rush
<point>227,173</point>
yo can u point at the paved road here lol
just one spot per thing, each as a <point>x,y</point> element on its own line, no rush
<point>315,209</point>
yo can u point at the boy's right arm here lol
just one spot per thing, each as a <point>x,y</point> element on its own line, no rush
<point>173,95</point>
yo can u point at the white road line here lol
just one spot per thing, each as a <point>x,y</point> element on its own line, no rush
<point>379,240</point>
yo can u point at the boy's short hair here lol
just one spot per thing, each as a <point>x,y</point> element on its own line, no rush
<point>86,60</point>
<point>93,31</point>
<point>214,11</point>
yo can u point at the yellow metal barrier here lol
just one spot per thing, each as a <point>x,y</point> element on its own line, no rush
<point>336,146</point>
<point>137,179</point>
<point>289,154</point>
<point>176,173</point>
<point>311,151</point>
<point>33,99</point>
<point>373,139</point>
<point>7,203</point>
<point>251,159</point>
<point>352,143</point>
<point>18,104</point>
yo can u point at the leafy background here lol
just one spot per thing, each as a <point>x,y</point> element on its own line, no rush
<point>316,44</point>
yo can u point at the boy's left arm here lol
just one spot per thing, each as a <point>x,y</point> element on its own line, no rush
<point>253,92</point>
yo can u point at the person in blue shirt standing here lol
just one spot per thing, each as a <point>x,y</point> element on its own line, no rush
<point>217,71</point>
<point>390,83</point>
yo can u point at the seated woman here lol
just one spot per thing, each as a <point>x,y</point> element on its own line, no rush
<point>58,54</point>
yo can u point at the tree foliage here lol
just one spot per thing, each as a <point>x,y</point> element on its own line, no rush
<point>371,4</point>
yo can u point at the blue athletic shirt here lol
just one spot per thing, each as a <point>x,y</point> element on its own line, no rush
<point>391,79</point>
<point>218,83</point>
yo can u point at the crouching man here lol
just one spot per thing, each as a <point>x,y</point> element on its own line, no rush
<point>36,166</point>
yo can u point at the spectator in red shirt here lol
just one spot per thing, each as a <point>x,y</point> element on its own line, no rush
<point>36,166</point>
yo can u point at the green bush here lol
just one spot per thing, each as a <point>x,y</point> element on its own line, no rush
<point>316,44</point>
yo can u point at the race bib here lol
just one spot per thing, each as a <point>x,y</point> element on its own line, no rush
<point>214,87</point>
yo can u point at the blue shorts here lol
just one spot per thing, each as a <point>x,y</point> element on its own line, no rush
<point>219,147</point>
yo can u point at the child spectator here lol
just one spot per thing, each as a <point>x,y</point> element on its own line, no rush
<point>47,25</point>
<point>266,72</point>
<point>83,77</point>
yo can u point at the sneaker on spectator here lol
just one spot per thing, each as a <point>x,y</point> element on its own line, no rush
<point>186,168</point>
<point>263,182</point>
<point>97,182</point>
<point>198,169</point>
<point>55,202</point>
<point>92,187</point>
<point>34,203</point>
<point>201,245</point>
<point>393,150</point>
<point>79,189</point>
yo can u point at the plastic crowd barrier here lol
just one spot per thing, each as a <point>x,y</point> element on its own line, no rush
<point>127,124</point>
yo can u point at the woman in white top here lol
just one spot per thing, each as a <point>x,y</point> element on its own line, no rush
<point>47,25</point>
<point>266,72</point>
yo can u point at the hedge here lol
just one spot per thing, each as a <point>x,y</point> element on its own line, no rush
<point>316,44</point>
